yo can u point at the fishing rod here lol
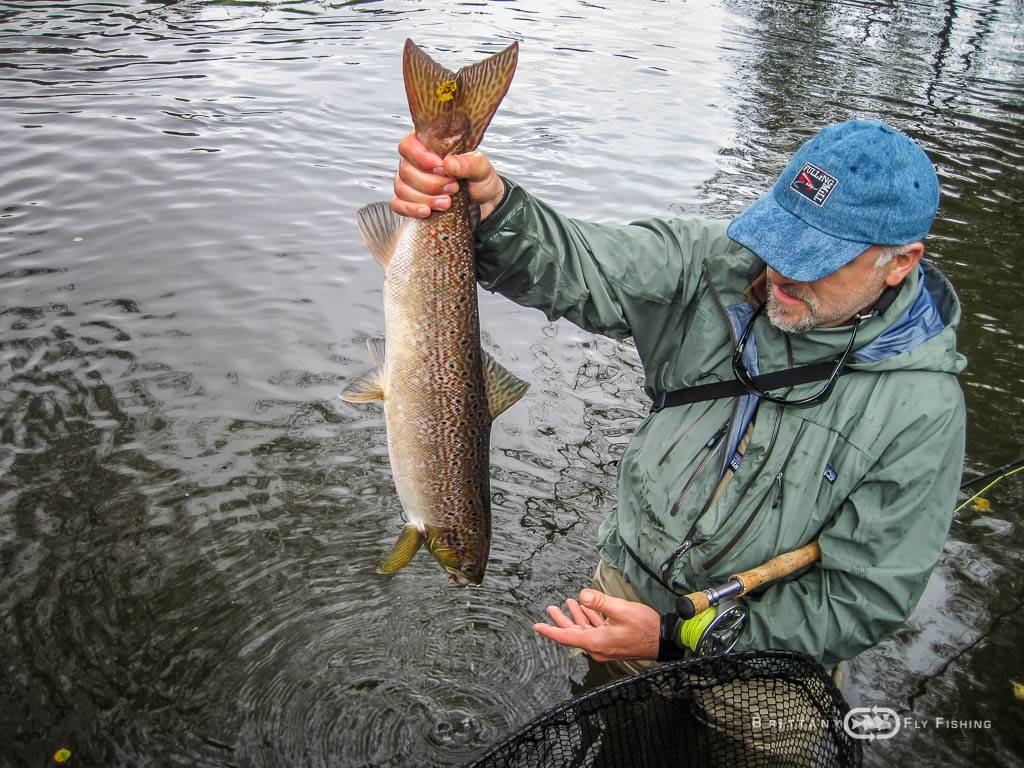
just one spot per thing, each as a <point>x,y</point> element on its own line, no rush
<point>720,629</point>
<point>1003,471</point>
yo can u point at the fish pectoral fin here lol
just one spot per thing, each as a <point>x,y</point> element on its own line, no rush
<point>409,542</point>
<point>380,227</point>
<point>503,387</point>
<point>366,388</point>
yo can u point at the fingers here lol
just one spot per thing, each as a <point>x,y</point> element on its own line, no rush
<point>571,638</point>
<point>420,186</point>
<point>425,182</point>
<point>560,619</point>
<point>419,192</point>
<point>412,149</point>
<point>582,618</point>
<point>471,166</point>
<point>605,627</point>
<point>590,608</point>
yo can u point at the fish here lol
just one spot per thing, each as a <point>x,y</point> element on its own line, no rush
<point>440,390</point>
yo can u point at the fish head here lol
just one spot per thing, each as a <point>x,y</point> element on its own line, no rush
<point>464,563</point>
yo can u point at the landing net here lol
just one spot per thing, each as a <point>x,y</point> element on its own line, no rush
<point>758,708</point>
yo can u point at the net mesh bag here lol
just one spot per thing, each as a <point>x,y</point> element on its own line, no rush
<point>757,708</point>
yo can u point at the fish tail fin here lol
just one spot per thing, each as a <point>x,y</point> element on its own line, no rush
<point>472,94</point>
<point>380,227</point>
<point>409,542</point>
<point>503,387</point>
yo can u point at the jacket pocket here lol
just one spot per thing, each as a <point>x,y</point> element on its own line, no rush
<point>776,488</point>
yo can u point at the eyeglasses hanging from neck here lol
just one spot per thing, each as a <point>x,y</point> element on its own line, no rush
<point>739,369</point>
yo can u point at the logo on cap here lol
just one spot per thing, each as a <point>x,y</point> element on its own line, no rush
<point>814,184</point>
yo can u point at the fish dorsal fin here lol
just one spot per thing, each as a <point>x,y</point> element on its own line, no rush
<point>503,387</point>
<point>380,227</point>
<point>445,103</point>
<point>409,542</point>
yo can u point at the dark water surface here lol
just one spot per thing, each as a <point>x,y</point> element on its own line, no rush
<point>189,518</point>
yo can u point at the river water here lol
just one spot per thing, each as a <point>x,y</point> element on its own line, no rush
<point>191,519</point>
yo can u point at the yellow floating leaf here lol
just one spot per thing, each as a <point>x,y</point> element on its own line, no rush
<point>1018,689</point>
<point>981,505</point>
<point>62,755</point>
<point>79,239</point>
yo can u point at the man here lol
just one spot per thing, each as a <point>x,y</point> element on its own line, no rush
<point>823,269</point>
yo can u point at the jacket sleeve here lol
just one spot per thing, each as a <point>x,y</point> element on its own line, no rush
<point>607,279</point>
<point>878,552</point>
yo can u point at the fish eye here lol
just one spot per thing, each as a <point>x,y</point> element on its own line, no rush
<point>469,568</point>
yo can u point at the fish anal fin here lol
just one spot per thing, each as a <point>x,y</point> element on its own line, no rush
<point>409,541</point>
<point>455,108</point>
<point>503,387</point>
<point>365,388</point>
<point>380,227</point>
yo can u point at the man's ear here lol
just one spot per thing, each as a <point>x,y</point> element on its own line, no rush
<point>901,265</point>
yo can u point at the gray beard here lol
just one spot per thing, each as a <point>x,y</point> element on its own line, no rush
<point>777,318</point>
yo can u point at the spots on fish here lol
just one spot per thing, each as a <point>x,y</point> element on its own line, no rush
<point>433,354</point>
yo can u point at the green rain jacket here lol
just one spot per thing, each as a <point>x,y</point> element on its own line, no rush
<point>872,473</point>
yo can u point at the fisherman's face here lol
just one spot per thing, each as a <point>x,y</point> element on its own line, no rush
<point>796,307</point>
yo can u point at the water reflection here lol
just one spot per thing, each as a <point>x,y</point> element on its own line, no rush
<point>191,520</point>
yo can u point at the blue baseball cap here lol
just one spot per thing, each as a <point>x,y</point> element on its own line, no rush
<point>854,185</point>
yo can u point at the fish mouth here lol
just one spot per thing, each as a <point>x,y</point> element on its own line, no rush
<point>455,576</point>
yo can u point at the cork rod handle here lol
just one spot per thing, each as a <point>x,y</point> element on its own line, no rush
<point>781,565</point>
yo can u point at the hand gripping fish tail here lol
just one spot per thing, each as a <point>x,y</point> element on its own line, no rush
<point>441,391</point>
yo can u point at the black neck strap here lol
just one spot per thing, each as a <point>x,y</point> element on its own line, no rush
<point>790,377</point>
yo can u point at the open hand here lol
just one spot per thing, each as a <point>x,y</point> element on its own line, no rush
<point>608,628</point>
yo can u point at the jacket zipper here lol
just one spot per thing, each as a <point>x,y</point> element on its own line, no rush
<point>684,433</point>
<point>688,540</point>
<point>712,447</point>
<point>757,472</point>
<point>713,560</point>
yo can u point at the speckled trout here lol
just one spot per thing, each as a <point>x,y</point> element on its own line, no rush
<point>441,390</point>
